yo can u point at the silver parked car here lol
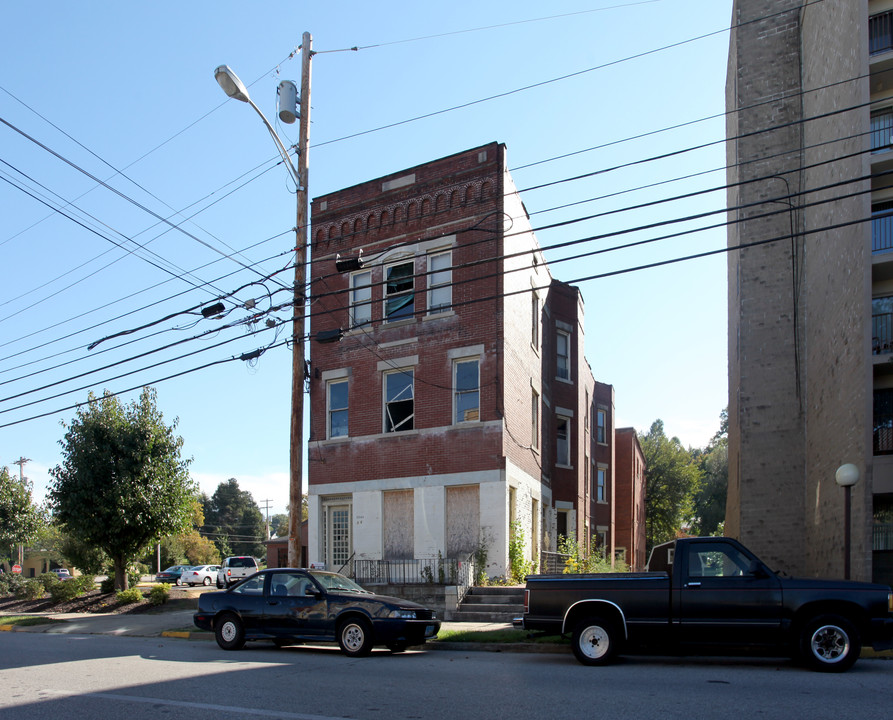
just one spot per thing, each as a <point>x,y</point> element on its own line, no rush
<point>200,575</point>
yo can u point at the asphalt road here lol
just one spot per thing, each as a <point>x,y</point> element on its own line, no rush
<point>99,677</point>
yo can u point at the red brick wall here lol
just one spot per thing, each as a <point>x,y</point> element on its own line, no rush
<point>448,197</point>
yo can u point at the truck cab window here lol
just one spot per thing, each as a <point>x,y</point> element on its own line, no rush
<point>715,560</point>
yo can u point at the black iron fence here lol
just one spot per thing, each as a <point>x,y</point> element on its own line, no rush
<point>553,562</point>
<point>412,571</point>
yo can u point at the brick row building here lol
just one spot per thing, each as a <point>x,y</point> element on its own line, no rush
<point>450,399</point>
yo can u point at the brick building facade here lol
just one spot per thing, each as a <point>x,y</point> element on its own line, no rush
<point>449,393</point>
<point>809,281</point>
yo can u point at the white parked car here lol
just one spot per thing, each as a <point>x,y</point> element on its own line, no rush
<point>62,573</point>
<point>199,575</point>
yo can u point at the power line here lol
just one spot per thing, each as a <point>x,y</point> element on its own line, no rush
<point>684,258</point>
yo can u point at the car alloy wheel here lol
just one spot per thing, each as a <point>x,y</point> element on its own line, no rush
<point>830,643</point>
<point>355,637</point>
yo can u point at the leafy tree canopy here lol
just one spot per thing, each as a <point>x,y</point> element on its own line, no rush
<point>672,477</point>
<point>234,520</point>
<point>709,502</point>
<point>20,519</point>
<point>122,484</point>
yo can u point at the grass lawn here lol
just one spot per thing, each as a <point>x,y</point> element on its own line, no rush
<point>496,636</point>
<point>25,620</point>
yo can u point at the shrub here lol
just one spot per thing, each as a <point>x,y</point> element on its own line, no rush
<point>48,579</point>
<point>108,585</point>
<point>135,573</point>
<point>85,582</point>
<point>159,593</point>
<point>519,567</point>
<point>126,597</point>
<point>31,589</point>
<point>11,582</point>
<point>64,591</point>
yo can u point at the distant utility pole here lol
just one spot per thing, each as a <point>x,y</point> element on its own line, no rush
<point>266,506</point>
<point>21,463</point>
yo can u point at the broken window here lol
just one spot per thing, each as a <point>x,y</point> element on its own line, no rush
<point>399,292</point>
<point>399,401</point>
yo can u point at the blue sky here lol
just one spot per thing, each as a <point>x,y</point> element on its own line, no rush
<point>124,93</point>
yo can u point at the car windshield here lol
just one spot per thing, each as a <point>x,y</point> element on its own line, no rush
<point>334,581</point>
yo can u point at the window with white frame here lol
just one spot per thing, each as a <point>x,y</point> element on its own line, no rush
<point>399,407</point>
<point>467,392</point>
<point>601,421</point>
<point>600,484</point>
<point>337,401</point>
<point>360,298</point>
<point>563,442</point>
<point>563,355</point>
<point>399,291</point>
<point>440,281</point>
<point>535,419</point>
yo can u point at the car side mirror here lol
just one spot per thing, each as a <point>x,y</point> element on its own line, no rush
<point>757,570</point>
<point>310,590</point>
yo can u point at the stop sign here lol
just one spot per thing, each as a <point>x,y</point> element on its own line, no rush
<point>17,568</point>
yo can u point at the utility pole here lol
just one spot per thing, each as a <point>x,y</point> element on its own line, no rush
<point>21,463</point>
<point>266,504</point>
<point>236,89</point>
<point>296,437</point>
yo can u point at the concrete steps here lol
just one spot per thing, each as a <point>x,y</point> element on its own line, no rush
<point>491,604</point>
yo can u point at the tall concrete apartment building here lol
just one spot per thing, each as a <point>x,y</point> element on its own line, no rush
<point>450,399</point>
<point>809,95</point>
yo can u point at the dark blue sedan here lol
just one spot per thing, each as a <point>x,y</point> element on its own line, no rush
<point>288,605</point>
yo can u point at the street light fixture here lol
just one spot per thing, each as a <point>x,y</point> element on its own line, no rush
<point>235,89</point>
<point>846,476</point>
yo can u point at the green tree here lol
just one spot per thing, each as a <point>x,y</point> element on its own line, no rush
<point>20,519</point>
<point>672,477</point>
<point>710,500</point>
<point>200,550</point>
<point>233,519</point>
<point>279,524</point>
<point>122,484</point>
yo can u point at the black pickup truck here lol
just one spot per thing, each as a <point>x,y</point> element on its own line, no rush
<point>714,595</point>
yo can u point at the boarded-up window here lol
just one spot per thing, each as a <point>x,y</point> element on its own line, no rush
<point>463,513</point>
<point>397,511</point>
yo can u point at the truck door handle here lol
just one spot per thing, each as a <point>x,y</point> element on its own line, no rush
<point>693,584</point>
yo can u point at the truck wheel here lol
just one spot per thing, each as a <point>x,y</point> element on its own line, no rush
<point>355,637</point>
<point>594,641</point>
<point>830,643</point>
<point>229,632</point>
